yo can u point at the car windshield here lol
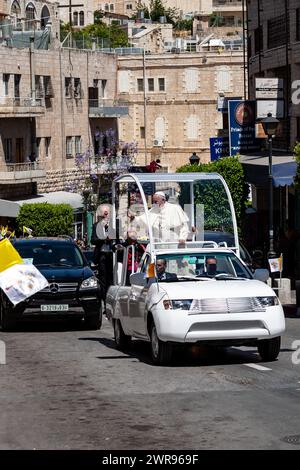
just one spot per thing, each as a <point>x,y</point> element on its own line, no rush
<point>200,266</point>
<point>50,254</point>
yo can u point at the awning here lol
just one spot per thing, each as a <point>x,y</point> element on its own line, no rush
<point>9,208</point>
<point>57,197</point>
<point>256,168</point>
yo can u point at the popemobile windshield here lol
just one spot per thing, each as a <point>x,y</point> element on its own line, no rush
<point>197,208</point>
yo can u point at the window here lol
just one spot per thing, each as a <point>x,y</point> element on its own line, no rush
<point>224,80</point>
<point>103,87</point>
<point>45,17</point>
<point>75,18</point>
<point>191,80</point>
<point>129,6</point>
<point>258,40</point>
<point>161,84</point>
<point>68,87</point>
<point>298,24</point>
<point>106,8</point>
<point>150,84</point>
<point>77,144</point>
<point>192,127</point>
<point>69,147</point>
<point>278,32</point>
<point>17,79</point>
<point>140,84</point>
<point>48,89</point>
<point>30,17</point>
<point>160,128</point>
<point>39,87</point>
<point>47,146</point>
<point>8,150</point>
<point>142,132</point>
<point>111,7</point>
<point>6,83</point>
<point>81,18</point>
<point>77,88</point>
<point>124,81</point>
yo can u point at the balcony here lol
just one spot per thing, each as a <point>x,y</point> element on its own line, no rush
<point>21,107</point>
<point>107,108</point>
<point>14,173</point>
<point>226,5</point>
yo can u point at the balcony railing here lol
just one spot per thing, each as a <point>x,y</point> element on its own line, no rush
<point>107,108</point>
<point>21,172</point>
<point>21,106</point>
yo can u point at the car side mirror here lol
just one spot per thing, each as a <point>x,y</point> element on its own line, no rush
<point>138,279</point>
<point>261,275</point>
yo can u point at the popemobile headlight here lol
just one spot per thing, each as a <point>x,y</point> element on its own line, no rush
<point>89,283</point>
<point>177,304</point>
<point>268,301</point>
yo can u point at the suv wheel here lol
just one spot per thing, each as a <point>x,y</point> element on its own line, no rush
<point>122,340</point>
<point>94,322</point>
<point>8,322</point>
<point>161,351</point>
<point>269,348</point>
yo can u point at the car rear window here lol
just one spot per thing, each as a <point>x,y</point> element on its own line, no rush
<point>50,254</point>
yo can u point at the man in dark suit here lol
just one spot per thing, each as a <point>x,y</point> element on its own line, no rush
<point>162,275</point>
<point>103,237</point>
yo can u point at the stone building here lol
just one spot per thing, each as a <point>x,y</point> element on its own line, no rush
<point>176,114</point>
<point>53,104</point>
<point>274,51</point>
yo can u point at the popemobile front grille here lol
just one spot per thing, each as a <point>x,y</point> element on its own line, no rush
<point>62,287</point>
<point>227,305</point>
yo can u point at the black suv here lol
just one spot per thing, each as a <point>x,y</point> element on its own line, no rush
<point>73,288</point>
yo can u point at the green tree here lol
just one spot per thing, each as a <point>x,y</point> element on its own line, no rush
<point>46,219</point>
<point>156,9</point>
<point>112,35</point>
<point>232,171</point>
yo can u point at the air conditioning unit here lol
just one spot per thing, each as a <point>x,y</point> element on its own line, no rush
<point>158,142</point>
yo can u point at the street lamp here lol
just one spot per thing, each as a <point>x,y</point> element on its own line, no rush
<point>270,125</point>
<point>194,159</point>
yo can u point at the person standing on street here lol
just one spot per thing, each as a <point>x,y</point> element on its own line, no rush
<point>103,237</point>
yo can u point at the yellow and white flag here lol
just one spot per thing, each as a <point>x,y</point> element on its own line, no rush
<point>275,264</point>
<point>18,280</point>
<point>27,230</point>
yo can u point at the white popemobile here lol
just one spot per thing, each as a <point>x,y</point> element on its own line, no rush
<point>197,293</point>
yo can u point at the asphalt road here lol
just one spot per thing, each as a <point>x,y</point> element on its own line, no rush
<point>66,388</point>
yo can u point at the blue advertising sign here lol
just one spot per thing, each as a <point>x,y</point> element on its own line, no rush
<point>242,127</point>
<point>219,147</point>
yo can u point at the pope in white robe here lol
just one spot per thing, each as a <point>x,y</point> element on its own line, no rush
<point>169,222</point>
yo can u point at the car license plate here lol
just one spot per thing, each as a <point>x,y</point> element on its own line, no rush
<point>54,308</point>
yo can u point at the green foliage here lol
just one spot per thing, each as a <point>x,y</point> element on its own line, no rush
<point>184,25</point>
<point>214,201</point>
<point>297,158</point>
<point>98,15</point>
<point>156,9</point>
<point>216,20</point>
<point>46,219</point>
<point>113,35</point>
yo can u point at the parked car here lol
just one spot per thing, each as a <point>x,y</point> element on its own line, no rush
<point>193,304</point>
<point>73,289</point>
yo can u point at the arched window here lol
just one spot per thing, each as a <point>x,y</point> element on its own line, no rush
<point>15,9</point>
<point>75,18</point>
<point>81,18</point>
<point>45,17</point>
<point>30,17</point>
<point>106,8</point>
<point>111,7</point>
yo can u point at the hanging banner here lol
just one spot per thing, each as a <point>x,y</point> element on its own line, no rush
<point>242,137</point>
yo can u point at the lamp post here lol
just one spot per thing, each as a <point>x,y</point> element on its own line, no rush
<point>194,159</point>
<point>270,125</point>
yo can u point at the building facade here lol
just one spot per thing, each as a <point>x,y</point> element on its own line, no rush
<point>175,113</point>
<point>274,52</point>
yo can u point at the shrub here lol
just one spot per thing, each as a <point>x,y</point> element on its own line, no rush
<point>46,219</point>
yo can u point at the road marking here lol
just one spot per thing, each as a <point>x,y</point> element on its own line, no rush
<point>257,367</point>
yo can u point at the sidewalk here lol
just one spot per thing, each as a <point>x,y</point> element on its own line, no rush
<point>291,309</point>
